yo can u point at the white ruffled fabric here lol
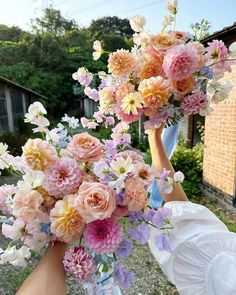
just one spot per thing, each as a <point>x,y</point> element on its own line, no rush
<point>203,261</point>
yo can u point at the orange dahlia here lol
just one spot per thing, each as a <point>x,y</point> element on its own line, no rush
<point>154,91</point>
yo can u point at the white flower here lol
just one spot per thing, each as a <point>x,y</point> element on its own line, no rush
<point>88,123</point>
<point>98,50</point>
<point>101,169</point>
<point>218,92</point>
<point>121,166</point>
<point>172,6</point>
<point>118,184</point>
<point>178,177</point>
<point>137,23</point>
<point>168,19</point>
<point>140,39</point>
<point>232,49</point>
<point>31,181</point>
<point>72,121</point>
<point>14,256</point>
<point>3,156</point>
<point>52,136</point>
<point>35,111</point>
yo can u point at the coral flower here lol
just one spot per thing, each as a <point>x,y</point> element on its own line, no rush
<point>154,91</point>
<point>103,236</point>
<point>182,87</point>
<point>132,103</point>
<point>39,154</point>
<point>121,63</point>
<point>85,148</point>
<point>123,89</point>
<point>62,177</point>
<point>135,196</point>
<point>66,222</point>
<point>150,66</point>
<point>180,62</point>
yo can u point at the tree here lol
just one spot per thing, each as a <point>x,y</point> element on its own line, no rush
<point>110,24</point>
<point>52,21</point>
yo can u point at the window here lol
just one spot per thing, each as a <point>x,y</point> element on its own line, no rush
<point>3,110</point>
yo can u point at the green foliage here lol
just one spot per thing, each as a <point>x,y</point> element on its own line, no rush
<point>139,143</point>
<point>14,142</point>
<point>189,161</point>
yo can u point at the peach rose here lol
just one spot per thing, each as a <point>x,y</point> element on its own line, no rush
<point>182,87</point>
<point>26,205</point>
<point>95,201</point>
<point>135,196</point>
<point>66,222</point>
<point>85,148</point>
<point>180,37</point>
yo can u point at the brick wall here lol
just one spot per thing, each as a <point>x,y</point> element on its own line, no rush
<point>219,164</point>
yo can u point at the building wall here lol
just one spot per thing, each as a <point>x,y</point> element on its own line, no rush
<point>219,164</point>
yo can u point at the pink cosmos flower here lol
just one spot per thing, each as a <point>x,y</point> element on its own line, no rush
<point>180,62</point>
<point>95,201</point>
<point>62,177</point>
<point>103,236</point>
<point>26,205</point>
<point>85,148</point>
<point>136,158</point>
<point>194,103</point>
<point>5,192</point>
<point>78,263</point>
<point>135,195</point>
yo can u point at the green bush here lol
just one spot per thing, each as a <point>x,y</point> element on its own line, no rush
<point>189,161</point>
<point>14,142</point>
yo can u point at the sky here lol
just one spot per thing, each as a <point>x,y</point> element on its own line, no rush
<point>220,13</point>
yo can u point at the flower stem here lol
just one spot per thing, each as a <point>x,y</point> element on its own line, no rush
<point>106,279</point>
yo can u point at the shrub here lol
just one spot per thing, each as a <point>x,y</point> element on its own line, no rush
<point>189,161</point>
<point>14,142</point>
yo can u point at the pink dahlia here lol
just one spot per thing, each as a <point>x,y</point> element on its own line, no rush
<point>194,103</point>
<point>180,62</point>
<point>103,236</point>
<point>62,177</point>
<point>6,192</point>
<point>79,263</point>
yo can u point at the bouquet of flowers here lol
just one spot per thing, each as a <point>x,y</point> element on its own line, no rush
<point>163,77</point>
<point>73,188</point>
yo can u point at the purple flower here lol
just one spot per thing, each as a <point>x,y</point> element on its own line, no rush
<point>91,93</point>
<point>124,248</point>
<point>123,278</point>
<point>160,216</point>
<point>140,233</point>
<point>109,121</point>
<point>119,199</point>
<point>148,215</point>
<point>163,243</point>
<point>110,148</point>
<point>135,216</point>
<point>208,72</point>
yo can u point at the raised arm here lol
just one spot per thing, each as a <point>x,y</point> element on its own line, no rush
<point>160,160</point>
<point>49,277</point>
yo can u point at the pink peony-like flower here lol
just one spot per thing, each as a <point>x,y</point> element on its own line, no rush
<point>95,201</point>
<point>78,263</point>
<point>194,103</point>
<point>155,92</point>
<point>6,191</point>
<point>62,177</point>
<point>135,196</point>
<point>199,47</point>
<point>39,154</point>
<point>136,158</point>
<point>180,62</point>
<point>85,148</point>
<point>121,63</point>
<point>66,222</point>
<point>103,236</point>
<point>26,205</point>
<point>217,53</point>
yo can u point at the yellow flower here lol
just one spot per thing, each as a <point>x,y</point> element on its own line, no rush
<point>131,103</point>
<point>39,154</point>
<point>66,222</point>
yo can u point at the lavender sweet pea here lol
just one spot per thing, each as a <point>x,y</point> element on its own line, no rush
<point>140,233</point>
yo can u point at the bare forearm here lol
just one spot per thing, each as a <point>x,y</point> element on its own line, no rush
<point>160,160</point>
<point>49,277</point>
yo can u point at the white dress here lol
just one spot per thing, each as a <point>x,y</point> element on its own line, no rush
<point>204,257</point>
